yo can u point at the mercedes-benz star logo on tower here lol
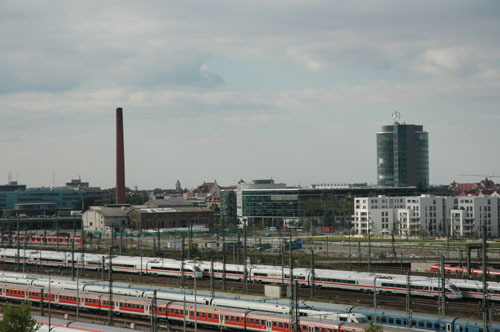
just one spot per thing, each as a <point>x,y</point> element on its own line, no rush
<point>396,116</point>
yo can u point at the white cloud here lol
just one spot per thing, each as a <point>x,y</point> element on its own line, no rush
<point>256,119</point>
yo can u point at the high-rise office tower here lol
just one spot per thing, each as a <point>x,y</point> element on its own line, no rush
<point>403,156</point>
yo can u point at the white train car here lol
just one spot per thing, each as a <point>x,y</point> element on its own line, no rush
<point>171,268</point>
<point>233,271</point>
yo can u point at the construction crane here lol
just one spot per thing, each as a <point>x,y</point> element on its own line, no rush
<point>492,175</point>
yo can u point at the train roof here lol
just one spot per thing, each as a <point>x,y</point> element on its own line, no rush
<point>61,325</point>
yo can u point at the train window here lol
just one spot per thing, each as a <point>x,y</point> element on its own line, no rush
<point>413,322</point>
<point>323,329</point>
<point>480,330</point>
<point>429,325</point>
<point>203,315</point>
<point>304,328</point>
<point>250,320</point>
<point>216,316</point>
<point>420,324</point>
<point>383,319</point>
<point>227,317</point>
<point>176,311</point>
<point>286,325</point>
<point>274,324</point>
<point>280,325</point>
<point>391,320</point>
<point>466,329</point>
<point>198,314</point>
<point>329,330</point>
<point>209,316</point>
<point>316,329</point>
<point>237,319</point>
<point>398,321</point>
<point>232,318</point>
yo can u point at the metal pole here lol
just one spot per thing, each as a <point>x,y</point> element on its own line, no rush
<point>359,253</point>
<point>24,244</point>
<point>183,280</point>
<point>468,259</point>
<point>77,295</point>
<point>83,249</point>
<point>443,289</point>
<point>73,260</point>
<point>184,293</point>
<point>212,281</point>
<point>369,252</point>
<point>486,313</point>
<point>375,299</point>
<point>408,300</point>
<point>18,245</point>
<point>312,275</point>
<point>121,238</point>
<point>245,272</point>
<point>50,300</point>
<point>41,303</point>
<point>291,283</point>
<point>195,309</point>
<point>153,312</point>
<point>103,267</point>
<point>140,245</point>
<point>159,243</point>
<point>110,267</point>
<point>327,246</point>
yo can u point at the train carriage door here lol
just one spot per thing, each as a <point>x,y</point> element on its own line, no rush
<point>311,328</point>
<point>448,327</point>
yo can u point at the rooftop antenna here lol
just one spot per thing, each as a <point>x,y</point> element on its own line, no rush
<point>9,176</point>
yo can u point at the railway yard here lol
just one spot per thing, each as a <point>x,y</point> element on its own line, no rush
<point>228,282</point>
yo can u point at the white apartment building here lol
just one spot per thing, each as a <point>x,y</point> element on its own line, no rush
<point>431,215</point>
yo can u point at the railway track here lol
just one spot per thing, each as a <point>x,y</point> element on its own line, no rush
<point>463,308</point>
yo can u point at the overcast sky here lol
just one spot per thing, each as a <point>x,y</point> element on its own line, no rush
<point>288,89</point>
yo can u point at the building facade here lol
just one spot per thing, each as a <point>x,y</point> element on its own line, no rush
<point>105,219</point>
<point>178,217</point>
<point>403,156</point>
<point>63,198</point>
<point>427,215</point>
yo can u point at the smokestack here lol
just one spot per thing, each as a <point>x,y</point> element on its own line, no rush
<point>120,158</point>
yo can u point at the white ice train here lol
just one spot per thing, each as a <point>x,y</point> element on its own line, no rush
<point>355,281</point>
<point>127,264</point>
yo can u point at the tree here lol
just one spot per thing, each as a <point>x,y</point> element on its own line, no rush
<point>18,319</point>
<point>374,327</point>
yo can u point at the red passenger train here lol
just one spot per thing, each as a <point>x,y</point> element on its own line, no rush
<point>457,270</point>
<point>174,311</point>
<point>43,239</point>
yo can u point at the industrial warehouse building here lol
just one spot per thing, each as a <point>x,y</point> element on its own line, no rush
<point>182,216</point>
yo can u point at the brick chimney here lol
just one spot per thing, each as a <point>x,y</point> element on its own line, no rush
<point>120,158</point>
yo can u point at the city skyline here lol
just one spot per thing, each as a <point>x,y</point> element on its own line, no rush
<point>222,91</point>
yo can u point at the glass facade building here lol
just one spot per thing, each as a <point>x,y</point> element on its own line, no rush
<point>63,198</point>
<point>403,156</point>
